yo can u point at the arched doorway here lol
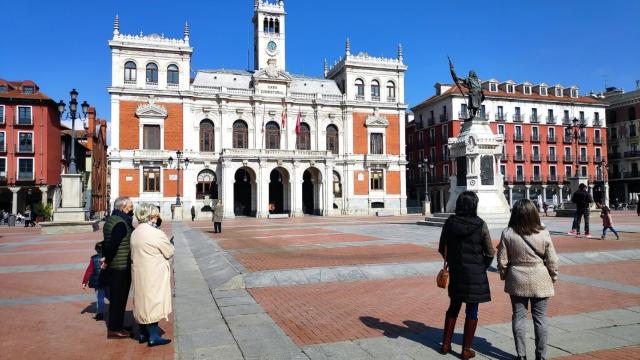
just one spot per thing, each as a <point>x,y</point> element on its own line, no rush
<point>311,190</point>
<point>242,192</point>
<point>279,191</point>
<point>207,187</point>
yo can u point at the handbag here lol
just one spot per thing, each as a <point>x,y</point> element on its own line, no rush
<point>442,280</point>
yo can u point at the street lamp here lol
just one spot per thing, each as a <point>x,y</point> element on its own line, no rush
<point>575,129</point>
<point>604,169</point>
<point>428,168</point>
<point>73,113</point>
<point>179,159</point>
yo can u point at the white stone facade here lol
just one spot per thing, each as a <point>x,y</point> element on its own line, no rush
<point>264,171</point>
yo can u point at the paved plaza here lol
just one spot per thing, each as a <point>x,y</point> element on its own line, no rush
<point>314,288</point>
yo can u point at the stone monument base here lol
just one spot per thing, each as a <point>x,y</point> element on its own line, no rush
<point>69,227</point>
<point>69,214</point>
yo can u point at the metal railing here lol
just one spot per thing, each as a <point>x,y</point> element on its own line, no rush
<point>518,157</point>
<point>444,118</point>
<point>518,137</point>
<point>568,158</point>
<point>551,119</point>
<point>551,158</point>
<point>552,138</point>
<point>500,117</point>
<point>518,117</point>
<point>597,140</point>
<point>535,158</point>
<point>535,137</point>
<point>630,154</point>
<point>536,179</point>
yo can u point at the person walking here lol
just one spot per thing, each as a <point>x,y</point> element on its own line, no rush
<point>545,207</point>
<point>607,222</point>
<point>583,200</point>
<point>117,262</point>
<point>193,213</point>
<point>465,243</point>
<point>92,279</point>
<point>528,264</point>
<point>218,214</point>
<point>151,252</point>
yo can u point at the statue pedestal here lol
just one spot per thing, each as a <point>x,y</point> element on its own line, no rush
<point>70,217</point>
<point>477,152</point>
<point>426,208</point>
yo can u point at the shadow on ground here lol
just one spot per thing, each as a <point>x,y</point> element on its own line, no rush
<point>430,336</point>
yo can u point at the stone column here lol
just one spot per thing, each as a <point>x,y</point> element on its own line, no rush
<point>544,193</point>
<point>527,191</point>
<point>297,190</point>
<point>626,192</point>
<point>606,193</point>
<point>14,199</point>
<point>262,191</point>
<point>511,195</point>
<point>328,190</point>
<point>228,181</point>
<point>560,196</point>
<point>45,194</point>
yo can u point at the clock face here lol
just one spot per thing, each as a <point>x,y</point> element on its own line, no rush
<point>272,47</point>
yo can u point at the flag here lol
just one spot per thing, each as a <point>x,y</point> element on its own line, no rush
<point>284,119</point>
<point>298,123</point>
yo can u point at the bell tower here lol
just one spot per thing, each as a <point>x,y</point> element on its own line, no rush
<point>269,34</point>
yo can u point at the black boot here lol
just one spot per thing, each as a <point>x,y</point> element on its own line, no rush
<point>143,333</point>
<point>154,336</point>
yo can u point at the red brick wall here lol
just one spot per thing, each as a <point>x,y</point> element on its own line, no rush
<point>129,126</point>
<point>393,183</point>
<point>170,186</point>
<point>129,188</point>
<point>360,138</point>
<point>361,187</point>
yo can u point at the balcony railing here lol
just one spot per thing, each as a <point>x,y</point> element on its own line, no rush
<point>583,139</point>
<point>518,137</point>
<point>518,157</point>
<point>484,115</point>
<point>500,117</point>
<point>391,99</point>
<point>535,119</point>
<point>130,82</point>
<point>597,140</point>
<point>597,122</point>
<point>536,179</point>
<point>566,121</point>
<point>597,159</point>
<point>518,118</point>
<point>615,175</point>
<point>568,158</point>
<point>552,178</point>
<point>517,179</point>
<point>631,174</point>
<point>463,115</point>
<point>444,118</point>
<point>375,98</point>
<point>535,158</point>
<point>631,154</point>
<point>614,155</point>
<point>552,158</point>
<point>567,139</point>
<point>583,159</point>
<point>535,138</point>
<point>552,139</point>
<point>593,179</point>
<point>431,122</point>
<point>360,97</point>
<point>551,119</point>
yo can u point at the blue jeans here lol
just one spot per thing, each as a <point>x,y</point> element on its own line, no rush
<point>576,219</point>
<point>100,294</point>
<point>471,310</point>
<point>604,230</point>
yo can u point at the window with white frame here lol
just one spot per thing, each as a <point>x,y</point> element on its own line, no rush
<point>1,114</point>
<point>493,87</point>
<point>376,143</point>
<point>543,91</point>
<point>536,172</point>
<point>377,179</point>
<point>510,88</point>
<point>151,179</point>
<point>24,115</point>
<point>583,171</point>
<point>501,129</point>
<point>151,136</point>
<point>359,88</point>
<point>567,170</point>
<point>552,172</point>
<point>527,90</point>
<point>503,170</point>
<point>3,168</point>
<point>574,93</point>
<point>173,75</point>
<point>130,71</point>
<point>519,173</point>
<point>25,169</point>
<point>3,141</point>
<point>25,142</point>
<point>558,92</point>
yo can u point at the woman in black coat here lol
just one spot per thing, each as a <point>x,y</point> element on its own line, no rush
<point>466,243</point>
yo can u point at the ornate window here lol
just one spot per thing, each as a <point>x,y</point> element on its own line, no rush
<point>332,139</point>
<point>360,88</point>
<point>376,144</point>
<point>377,179</point>
<point>173,75</point>
<point>152,73</point>
<point>375,90</point>
<point>391,91</point>
<point>151,137</point>
<point>303,141</point>
<point>337,185</point>
<point>240,135</point>
<point>277,26</point>
<point>207,142</point>
<point>272,134</point>
<point>265,25</point>
<point>151,177</point>
<point>206,185</point>
<point>130,71</point>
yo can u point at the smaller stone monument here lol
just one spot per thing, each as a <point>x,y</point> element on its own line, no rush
<point>70,216</point>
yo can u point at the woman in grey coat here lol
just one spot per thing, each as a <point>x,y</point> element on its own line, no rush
<point>528,264</point>
<point>218,214</point>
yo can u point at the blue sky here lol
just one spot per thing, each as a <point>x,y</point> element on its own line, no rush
<point>63,44</point>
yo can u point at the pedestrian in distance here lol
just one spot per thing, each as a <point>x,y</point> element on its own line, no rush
<point>545,207</point>
<point>151,252</point>
<point>607,222</point>
<point>116,250</point>
<point>92,279</point>
<point>193,213</point>
<point>528,264</point>
<point>583,200</point>
<point>218,214</point>
<point>465,243</point>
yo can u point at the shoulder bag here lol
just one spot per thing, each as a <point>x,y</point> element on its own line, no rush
<point>533,248</point>
<point>443,275</point>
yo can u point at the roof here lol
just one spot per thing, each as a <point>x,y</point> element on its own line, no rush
<point>455,90</point>
<point>313,85</point>
<point>620,98</point>
<point>14,90</point>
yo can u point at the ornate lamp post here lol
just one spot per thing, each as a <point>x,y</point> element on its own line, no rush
<point>73,113</point>
<point>604,169</point>
<point>428,168</point>
<point>179,160</point>
<point>575,129</point>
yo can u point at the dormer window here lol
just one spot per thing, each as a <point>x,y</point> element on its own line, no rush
<point>543,91</point>
<point>510,88</point>
<point>574,93</point>
<point>3,88</point>
<point>527,90</point>
<point>558,91</point>
<point>493,87</point>
<point>28,90</point>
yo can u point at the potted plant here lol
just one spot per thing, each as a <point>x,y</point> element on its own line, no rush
<point>42,212</point>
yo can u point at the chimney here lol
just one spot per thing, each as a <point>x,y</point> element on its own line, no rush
<point>442,88</point>
<point>91,116</point>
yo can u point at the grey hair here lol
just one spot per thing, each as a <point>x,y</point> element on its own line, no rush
<point>145,211</point>
<point>121,202</point>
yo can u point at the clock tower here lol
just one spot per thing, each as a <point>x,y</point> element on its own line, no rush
<point>269,34</point>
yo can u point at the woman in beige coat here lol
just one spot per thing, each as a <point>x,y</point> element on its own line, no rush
<point>528,263</point>
<point>151,252</point>
<point>218,214</point>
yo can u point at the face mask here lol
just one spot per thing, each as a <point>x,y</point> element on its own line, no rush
<point>130,213</point>
<point>158,223</point>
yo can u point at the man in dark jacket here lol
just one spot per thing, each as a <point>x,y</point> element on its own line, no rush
<point>583,201</point>
<point>116,251</point>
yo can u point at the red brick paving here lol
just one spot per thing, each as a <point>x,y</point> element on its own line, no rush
<point>48,246</point>
<point>623,272</point>
<point>295,259</point>
<point>44,259</point>
<point>321,313</point>
<point>312,238</point>
<point>571,244</point>
<point>22,285</point>
<point>625,353</point>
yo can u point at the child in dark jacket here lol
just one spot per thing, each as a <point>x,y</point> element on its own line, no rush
<point>92,278</point>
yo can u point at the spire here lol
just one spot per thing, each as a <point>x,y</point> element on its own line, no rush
<point>186,31</point>
<point>116,25</point>
<point>348,47</point>
<point>256,4</point>
<point>281,3</point>
<point>400,53</point>
<point>326,67</point>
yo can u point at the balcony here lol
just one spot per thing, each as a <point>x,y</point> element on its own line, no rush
<point>615,155</point>
<point>630,154</point>
<point>615,175</point>
<point>375,98</point>
<point>552,158</point>
<point>519,157</point>
<point>517,179</point>
<point>598,159</point>
<point>535,119</point>
<point>583,159</point>
<point>130,82</point>
<point>631,174</point>
<point>552,139</point>
<point>535,138</point>
<point>567,139</point>
<point>484,115</point>
<point>518,118</point>
<point>535,158</point>
<point>568,158</point>
<point>597,140</point>
<point>391,99</point>
<point>566,121</point>
<point>431,122</point>
<point>518,137</point>
<point>536,179</point>
<point>597,122</point>
<point>551,119</point>
<point>500,117</point>
<point>553,179</point>
<point>463,115</point>
<point>23,149</point>
<point>583,139</point>
<point>593,179</point>
<point>444,118</point>
<point>360,97</point>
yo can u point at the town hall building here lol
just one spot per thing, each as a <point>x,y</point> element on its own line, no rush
<point>263,141</point>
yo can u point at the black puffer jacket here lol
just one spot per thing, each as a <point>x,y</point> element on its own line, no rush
<point>469,253</point>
